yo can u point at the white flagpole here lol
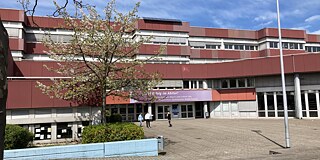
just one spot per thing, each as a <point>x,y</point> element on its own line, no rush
<point>284,94</point>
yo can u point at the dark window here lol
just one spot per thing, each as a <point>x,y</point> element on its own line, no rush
<point>186,84</point>
<point>238,47</point>
<point>228,46</point>
<point>200,84</point>
<point>224,83</point>
<point>285,45</point>
<point>64,130</point>
<point>250,82</point>
<point>233,83</point>
<point>300,46</point>
<point>241,83</point>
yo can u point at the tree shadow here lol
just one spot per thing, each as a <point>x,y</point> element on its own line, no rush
<point>259,132</point>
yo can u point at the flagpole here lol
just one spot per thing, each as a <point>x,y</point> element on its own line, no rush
<point>284,94</point>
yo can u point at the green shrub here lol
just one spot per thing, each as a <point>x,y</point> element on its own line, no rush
<point>114,118</point>
<point>111,132</point>
<point>17,137</point>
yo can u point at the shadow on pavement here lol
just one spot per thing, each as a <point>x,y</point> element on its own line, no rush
<point>260,133</point>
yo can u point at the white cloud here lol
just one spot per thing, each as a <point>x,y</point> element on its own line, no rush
<point>316,32</point>
<point>266,17</point>
<point>313,18</point>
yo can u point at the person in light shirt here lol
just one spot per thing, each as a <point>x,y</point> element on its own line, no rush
<point>148,118</point>
<point>140,118</point>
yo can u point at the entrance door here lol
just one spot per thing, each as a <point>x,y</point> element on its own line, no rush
<point>199,109</point>
<point>162,111</point>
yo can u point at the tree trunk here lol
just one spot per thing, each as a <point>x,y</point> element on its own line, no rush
<point>4,45</point>
<point>103,111</point>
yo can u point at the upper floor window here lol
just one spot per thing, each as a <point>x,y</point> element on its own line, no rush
<point>247,47</point>
<point>208,46</point>
<point>313,48</point>
<point>228,46</point>
<point>273,44</point>
<point>237,83</point>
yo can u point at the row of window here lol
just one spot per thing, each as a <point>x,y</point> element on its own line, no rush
<point>237,83</point>
<point>274,104</point>
<point>64,130</point>
<point>286,45</point>
<point>241,47</point>
<point>228,46</point>
<point>312,49</point>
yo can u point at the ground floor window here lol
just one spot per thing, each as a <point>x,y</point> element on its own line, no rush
<point>274,104</point>
<point>42,131</point>
<point>64,130</point>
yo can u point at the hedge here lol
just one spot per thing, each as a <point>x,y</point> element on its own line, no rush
<point>111,132</point>
<point>17,137</point>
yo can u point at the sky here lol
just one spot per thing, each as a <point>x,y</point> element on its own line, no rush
<point>233,14</point>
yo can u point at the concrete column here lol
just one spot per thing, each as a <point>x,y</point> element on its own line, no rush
<point>75,130</point>
<point>197,83</point>
<point>275,103</point>
<point>190,84</point>
<point>205,84</point>
<point>318,103</point>
<point>307,102</point>
<point>205,109</point>
<point>297,96</point>
<point>149,108</point>
<point>53,132</point>
<point>222,44</point>
<point>265,104</point>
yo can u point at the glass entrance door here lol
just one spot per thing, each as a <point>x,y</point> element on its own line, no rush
<point>162,111</point>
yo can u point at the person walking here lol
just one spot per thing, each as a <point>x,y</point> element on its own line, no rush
<point>140,119</point>
<point>147,117</point>
<point>169,119</point>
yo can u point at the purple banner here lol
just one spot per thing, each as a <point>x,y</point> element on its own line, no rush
<point>180,96</point>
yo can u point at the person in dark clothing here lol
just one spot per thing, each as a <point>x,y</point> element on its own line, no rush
<point>169,119</point>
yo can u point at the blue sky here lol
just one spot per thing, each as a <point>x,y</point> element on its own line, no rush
<point>235,14</point>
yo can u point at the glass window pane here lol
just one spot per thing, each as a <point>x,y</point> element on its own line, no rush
<point>233,83</point>
<point>242,82</point>
<point>183,108</point>
<point>224,83</point>
<point>250,82</point>
<point>160,109</point>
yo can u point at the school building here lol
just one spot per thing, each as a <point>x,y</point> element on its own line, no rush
<point>207,72</point>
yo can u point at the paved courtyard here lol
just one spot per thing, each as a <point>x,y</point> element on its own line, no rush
<point>236,139</point>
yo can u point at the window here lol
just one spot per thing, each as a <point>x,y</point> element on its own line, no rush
<point>209,83</point>
<point>251,48</point>
<point>241,83</point>
<point>228,46</point>
<point>233,83</point>
<point>198,47</point>
<point>186,84</point>
<point>224,84</point>
<point>250,82</point>
<point>308,49</point>
<point>212,46</point>
<point>273,44</point>
<point>64,130</point>
<point>300,46</point>
<point>285,45</point>
<point>238,47</point>
<point>200,84</point>
<point>42,131</point>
